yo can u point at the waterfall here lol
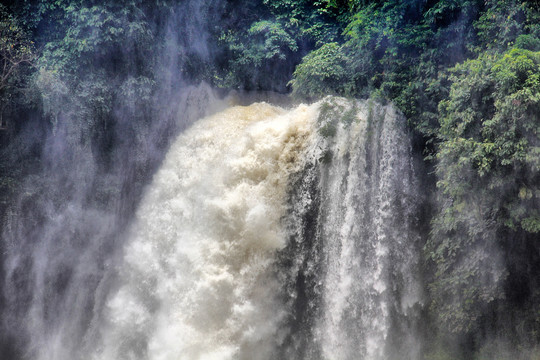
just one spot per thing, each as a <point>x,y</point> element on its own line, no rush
<point>354,238</point>
<point>213,262</point>
<point>353,254</point>
<point>196,282</point>
<point>266,233</point>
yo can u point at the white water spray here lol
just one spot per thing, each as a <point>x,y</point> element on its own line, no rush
<point>203,275</point>
<point>196,282</point>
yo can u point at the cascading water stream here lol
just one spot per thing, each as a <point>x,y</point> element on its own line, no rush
<point>196,282</point>
<point>220,265</point>
<point>266,233</point>
<point>353,255</point>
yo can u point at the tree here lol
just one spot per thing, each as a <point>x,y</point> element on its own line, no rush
<point>322,72</point>
<point>17,55</point>
<point>488,174</point>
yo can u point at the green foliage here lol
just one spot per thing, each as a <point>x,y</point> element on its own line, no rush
<point>276,40</point>
<point>17,56</point>
<point>397,49</point>
<point>528,42</point>
<point>322,72</point>
<point>95,57</point>
<point>264,45</point>
<point>502,22</point>
<point>488,179</point>
<point>92,34</point>
<point>490,125</point>
<point>260,52</point>
<point>16,48</point>
<point>314,20</point>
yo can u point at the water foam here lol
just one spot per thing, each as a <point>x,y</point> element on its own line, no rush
<point>197,281</point>
<point>269,234</point>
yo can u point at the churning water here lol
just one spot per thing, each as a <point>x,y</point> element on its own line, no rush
<point>267,233</point>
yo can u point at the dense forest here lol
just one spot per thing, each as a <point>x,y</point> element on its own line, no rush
<point>465,73</point>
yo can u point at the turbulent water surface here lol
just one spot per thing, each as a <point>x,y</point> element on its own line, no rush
<point>267,233</point>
